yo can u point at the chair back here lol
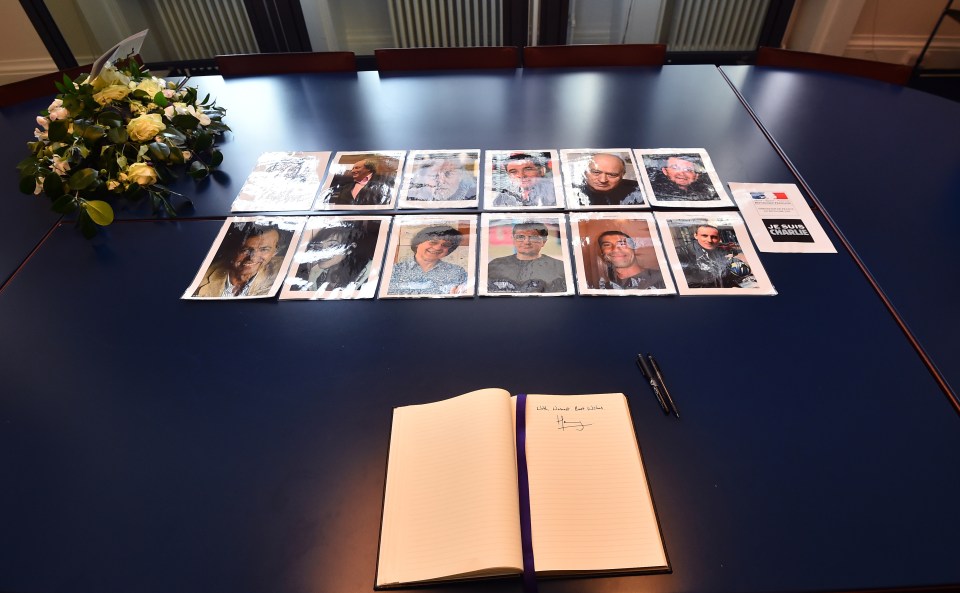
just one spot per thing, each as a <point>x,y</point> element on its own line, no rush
<point>38,86</point>
<point>784,58</point>
<point>286,63</point>
<point>446,58</point>
<point>590,56</point>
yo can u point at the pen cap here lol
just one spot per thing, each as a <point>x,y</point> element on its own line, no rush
<point>644,366</point>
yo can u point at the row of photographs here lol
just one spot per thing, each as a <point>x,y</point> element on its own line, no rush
<point>541,179</point>
<point>520,254</point>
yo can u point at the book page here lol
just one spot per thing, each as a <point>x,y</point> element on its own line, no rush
<point>451,502</point>
<point>590,505</point>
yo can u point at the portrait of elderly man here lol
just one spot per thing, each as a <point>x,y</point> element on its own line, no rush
<point>623,269</point>
<point>604,182</point>
<point>443,177</point>
<point>426,272</point>
<point>527,184</point>
<point>246,264</point>
<point>680,177</point>
<point>362,186</point>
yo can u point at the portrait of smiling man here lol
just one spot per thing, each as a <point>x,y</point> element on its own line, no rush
<point>247,263</point>
<point>623,268</point>
<point>680,177</point>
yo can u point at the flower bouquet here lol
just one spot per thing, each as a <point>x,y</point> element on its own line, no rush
<point>117,135</point>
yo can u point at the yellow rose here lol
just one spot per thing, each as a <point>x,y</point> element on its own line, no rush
<point>149,86</point>
<point>145,127</point>
<point>111,93</point>
<point>141,174</point>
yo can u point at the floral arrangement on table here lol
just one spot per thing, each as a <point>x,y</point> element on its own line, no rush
<point>121,134</point>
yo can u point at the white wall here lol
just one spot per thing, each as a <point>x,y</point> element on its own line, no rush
<point>884,30</point>
<point>23,53</point>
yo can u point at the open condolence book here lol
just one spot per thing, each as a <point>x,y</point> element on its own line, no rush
<point>451,505</point>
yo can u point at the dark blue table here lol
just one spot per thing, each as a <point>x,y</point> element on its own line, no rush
<point>885,163</point>
<point>28,218</point>
<point>155,444</point>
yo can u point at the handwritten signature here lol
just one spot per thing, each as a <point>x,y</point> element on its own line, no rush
<point>563,424</point>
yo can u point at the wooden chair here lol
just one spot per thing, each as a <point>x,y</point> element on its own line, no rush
<point>286,63</point>
<point>783,58</point>
<point>589,56</point>
<point>446,58</point>
<point>38,86</point>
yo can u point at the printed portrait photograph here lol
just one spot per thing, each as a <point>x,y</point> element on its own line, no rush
<point>682,178</point>
<point>524,255</point>
<point>337,258</point>
<point>441,179</point>
<point>619,254</point>
<point>430,257</point>
<point>521,179</point>
<point>712,254</point>
<point>361,180</point>
<point>282,181</point>
<point>247,258</point>
<point>598,179</point>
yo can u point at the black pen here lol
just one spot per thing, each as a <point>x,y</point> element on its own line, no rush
<point>663,384</point>
<point>648,375</point>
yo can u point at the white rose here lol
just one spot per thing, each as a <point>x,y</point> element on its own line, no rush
<point>109,76</point>
<point>59,113</point>
<point>169,93</point>
<point>59,166</point>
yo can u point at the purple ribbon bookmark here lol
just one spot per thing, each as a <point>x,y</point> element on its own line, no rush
<point>526,541</point>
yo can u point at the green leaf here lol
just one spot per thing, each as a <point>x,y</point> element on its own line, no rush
<point>82,179</point>
<point>203,142</point>
<point>28,183</point>
<point>185,121</point>
<point>53,186</point>
<point>110,119</point>
<point>174,135</point>
<point>86,225</point>
<point>99,211</point>
<point>159,151</point>
<point>75,154</point>
<point>117,135</point>
<point>198,170</point>
<point>216,157</point>
<point>28,166</point>
<point>176,155</point>
<point>57,131</point>
<point>94,133</point>
<point>64,204</point>
<point>160,100</point>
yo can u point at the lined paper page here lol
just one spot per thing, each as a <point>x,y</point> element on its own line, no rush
<point>591,508</point>
<point>451,502</point>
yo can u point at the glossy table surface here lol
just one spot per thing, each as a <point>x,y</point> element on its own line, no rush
<point>885,163</point>
<point>155,444</point>
<point>28,217</point>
